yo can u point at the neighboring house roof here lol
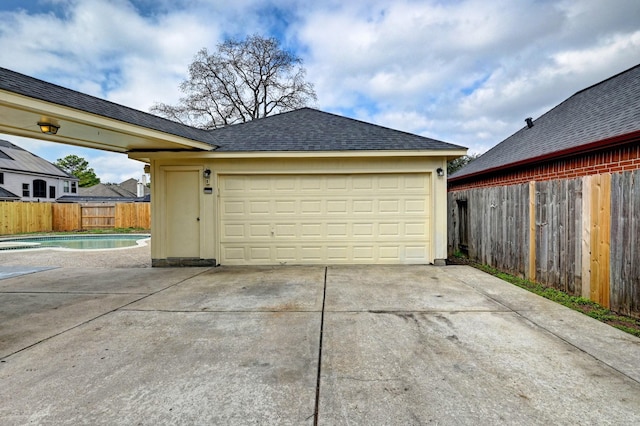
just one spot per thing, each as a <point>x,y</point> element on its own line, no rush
<point>14,158</point>
<point>104,190</point>
<point>8,195</point>
<point>38,89</point>
<point>308,129</point>
<point>112,190</point>
<point>99,199</point>
<point>605,114</point>
<point>131,185</point>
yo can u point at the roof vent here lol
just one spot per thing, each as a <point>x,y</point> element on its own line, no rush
<point>529,121</point>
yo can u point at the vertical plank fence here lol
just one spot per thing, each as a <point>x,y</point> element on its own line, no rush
<point>625,247</point>
<point>66,217</point>
<point>24,217</point>
<point>558,234</point>
<point>133,215</point>
<point>580,235</point>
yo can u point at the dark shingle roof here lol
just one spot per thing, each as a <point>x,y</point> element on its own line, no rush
<point>607,110</point>
<point>16,159</point>
<point>7,144</point>
<point>300,130</point>
<point>99,199</point>
<point>38,89</point>
<point>7,195</point>
<point>308,129</point>
<point>104,190</point>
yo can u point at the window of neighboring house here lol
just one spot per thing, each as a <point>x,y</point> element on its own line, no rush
<point>25,190</point>
<point>52,192</point>
<point>39,189</point>
<point>74,187</point>
<point>65,187</point>
<point>1,178</point>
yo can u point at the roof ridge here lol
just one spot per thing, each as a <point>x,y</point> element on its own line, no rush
<point>604,81</point>
<point>333,115</point>
<point>602,114</point>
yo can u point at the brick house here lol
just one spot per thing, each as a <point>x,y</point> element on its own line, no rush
<point>558,202</point>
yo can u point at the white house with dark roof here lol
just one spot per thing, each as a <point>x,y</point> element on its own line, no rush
<point>559,201</point>
<point>303,187</point>
<point>26,177</point>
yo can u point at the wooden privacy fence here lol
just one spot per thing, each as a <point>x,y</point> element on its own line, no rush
<point>19,218</point>
<point>581,236</point>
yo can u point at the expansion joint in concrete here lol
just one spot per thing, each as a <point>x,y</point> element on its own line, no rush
<point>324,297</point>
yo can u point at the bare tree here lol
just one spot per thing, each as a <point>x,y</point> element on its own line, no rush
<point>241,81</point>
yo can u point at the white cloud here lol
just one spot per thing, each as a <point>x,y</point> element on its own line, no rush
<point>115,168</point>
<point>466,71</point>
<point>490,64</point>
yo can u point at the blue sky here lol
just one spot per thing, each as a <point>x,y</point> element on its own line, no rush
<point>466,71</point>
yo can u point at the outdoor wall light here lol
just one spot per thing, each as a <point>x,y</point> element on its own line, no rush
<point>206,174</point>
<point>48,128</point>
<point>440,172</point>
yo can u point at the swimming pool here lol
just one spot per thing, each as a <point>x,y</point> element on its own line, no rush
<point>75,242</point>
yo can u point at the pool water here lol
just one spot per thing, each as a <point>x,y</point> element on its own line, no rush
<point>75,242</point>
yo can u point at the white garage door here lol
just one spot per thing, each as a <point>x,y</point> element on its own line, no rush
<point>325,219</point>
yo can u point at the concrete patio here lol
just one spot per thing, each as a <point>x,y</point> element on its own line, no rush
<point>298,345</point>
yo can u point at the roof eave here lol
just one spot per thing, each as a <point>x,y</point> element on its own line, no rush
<point>582,149</point>
<point>20,115</point>
<point>447,153</point>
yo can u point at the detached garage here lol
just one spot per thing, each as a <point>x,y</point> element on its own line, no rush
<point>302,187</point>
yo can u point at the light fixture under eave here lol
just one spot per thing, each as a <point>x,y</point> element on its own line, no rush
<point>440,172</point>
<point>48,128</point>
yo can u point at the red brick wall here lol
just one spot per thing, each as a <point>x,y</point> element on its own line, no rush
<point>613,160</point>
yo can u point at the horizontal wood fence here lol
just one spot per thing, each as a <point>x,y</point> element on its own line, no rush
<point>581,236</point>
<point>17,218</point>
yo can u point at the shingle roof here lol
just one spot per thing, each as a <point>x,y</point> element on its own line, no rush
<point>300,130</point>
<point>602,112</point>
<point>99,199</point>
<point>20,160</point>
<point>38,89</point>
<point>308,129</point>
<point>104,190</point>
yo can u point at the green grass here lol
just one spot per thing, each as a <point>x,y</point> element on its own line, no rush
<point>580,304</point>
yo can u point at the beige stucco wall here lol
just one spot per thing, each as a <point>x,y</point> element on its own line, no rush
<point>209,244</point>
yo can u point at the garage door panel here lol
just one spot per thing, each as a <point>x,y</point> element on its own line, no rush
<point>311,230</point>
<point>389,206</point>
<point>324,219</point>
<point>415,206</point>
<point>260,207</point>
<point>232,208</point>
<point>353,230</point>
<point>389,182</point>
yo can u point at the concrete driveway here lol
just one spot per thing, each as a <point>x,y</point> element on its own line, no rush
<point>303,345</point>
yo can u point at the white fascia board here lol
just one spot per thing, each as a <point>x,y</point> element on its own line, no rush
<point>454,153</point>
